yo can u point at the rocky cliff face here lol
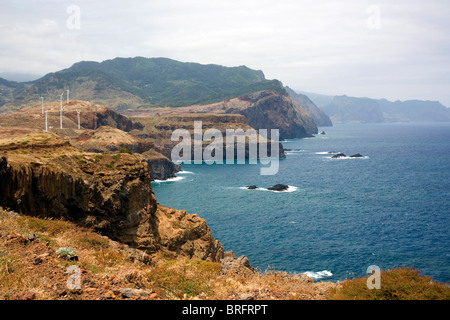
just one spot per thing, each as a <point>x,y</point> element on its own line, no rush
<point>101,131</point>
<point>93,116</point>
<point>159,124</point>
<point>111,194</point>
<point>320,117</point>
<point>262,110</point>
<point>160,166</point>
<point>270,110</point>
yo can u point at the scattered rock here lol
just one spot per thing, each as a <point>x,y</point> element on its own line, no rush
<point>252,187</point>
<point>25,295</point>
<point>71,258</point>
<point>37,261</point>
<point>246,296</point>
<point>357,156</point>
<point>128,293</point>
<point>339,155</point>
<point>110,295</point>
<point>62,292</point>
<point>153,296</point>
<point>279,187</point>
<point>31,237</point>
<point>43,256</point>
<point>231,264</point>
<point>76,291</point>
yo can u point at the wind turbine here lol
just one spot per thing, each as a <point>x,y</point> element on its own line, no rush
<point>67,96</point>
<point>42,99</point>
<point>61,110</point>
<point>46,123</point>
<point>78,117</point>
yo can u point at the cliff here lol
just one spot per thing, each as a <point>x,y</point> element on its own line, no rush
<point>160,166</point>
<point>160,123</point>
<point>102,130</point>
<point>262,110</point>
<point>269,110</point>
<point>46,177</point>
<point>320,117</point>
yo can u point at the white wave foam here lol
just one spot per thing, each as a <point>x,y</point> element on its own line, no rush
<point>347,158</point>
<point>318,275</point>
<point>291,189</point>
<point>293,151</point>
<point>328,152</point>
<point>169,180</point>
<point>185,172</point>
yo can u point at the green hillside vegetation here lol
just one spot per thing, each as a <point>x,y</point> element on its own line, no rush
<point>130,83</point>
<point>8,90</point>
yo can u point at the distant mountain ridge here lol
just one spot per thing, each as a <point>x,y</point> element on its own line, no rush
<point>345,109</point>
<point>321,119</point>
<point>128,83</point>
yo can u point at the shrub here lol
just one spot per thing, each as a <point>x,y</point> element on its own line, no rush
<point>396,284</point>
<point>66,252</point>
<point>124,150</point>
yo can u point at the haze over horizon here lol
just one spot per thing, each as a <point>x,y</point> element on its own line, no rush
<point>397,51</point>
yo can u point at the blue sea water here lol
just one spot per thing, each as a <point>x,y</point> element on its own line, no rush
<point>390,208</point>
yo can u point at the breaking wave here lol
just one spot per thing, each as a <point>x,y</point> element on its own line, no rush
<point>318,275</point>
<point>175,179</point>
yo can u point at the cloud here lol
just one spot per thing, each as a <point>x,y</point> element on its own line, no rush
<point>319,46</point>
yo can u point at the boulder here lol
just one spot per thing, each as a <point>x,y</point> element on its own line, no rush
<point>252,187</point>
<point>339,155</point>
<point>357,156</point>
<point>231,264</point>
<point>279,187</point>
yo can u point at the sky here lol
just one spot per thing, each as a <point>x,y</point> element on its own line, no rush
<point>399,50</point>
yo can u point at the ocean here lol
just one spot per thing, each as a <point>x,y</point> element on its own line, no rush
<point>390,208</point>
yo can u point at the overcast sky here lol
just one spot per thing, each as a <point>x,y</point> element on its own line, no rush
<point>392,49</point>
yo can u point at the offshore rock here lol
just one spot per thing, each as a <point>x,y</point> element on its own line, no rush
<point>279,187</point>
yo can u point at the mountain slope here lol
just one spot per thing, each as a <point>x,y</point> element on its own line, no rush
<point>8,89</point>
<point>321,119</point>
<point>414,110</point>
<point>350,109</point>
<point>127,83</point>
<point>343,109</point>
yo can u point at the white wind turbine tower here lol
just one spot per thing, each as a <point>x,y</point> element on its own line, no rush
<point>67,96</point>
<point>78,117</point>
<point>46,123</point>
<point>61,110</point>
<point>42,99</point>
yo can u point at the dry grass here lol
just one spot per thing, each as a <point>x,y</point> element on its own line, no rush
<point>169,279</point>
